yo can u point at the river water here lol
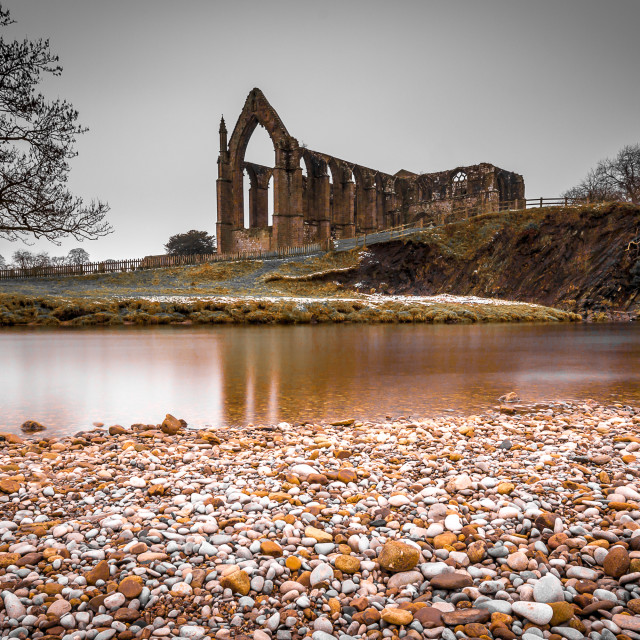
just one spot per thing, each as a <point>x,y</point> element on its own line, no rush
<point>69,379</point>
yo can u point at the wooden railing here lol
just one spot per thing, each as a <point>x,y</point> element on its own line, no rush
<point>360,240</point>
<point>375,237</point>
<point>154,262</point>
<point>551,202</point>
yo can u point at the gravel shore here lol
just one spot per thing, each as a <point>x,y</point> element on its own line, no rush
<point>521,522</point>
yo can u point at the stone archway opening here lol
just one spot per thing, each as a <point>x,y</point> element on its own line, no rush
<point>258,162</point>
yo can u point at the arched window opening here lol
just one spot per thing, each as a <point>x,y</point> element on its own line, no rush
<point>246,186</point>
<point>460,184</point>
<point>271,202</point>
<point>260,151</point>
<point>330,173</point>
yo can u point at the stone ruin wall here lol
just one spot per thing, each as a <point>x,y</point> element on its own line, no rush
<point>337,198</point>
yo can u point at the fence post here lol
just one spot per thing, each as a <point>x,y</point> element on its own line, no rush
<point>541,203</point>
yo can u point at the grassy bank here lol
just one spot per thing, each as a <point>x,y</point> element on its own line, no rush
<point>23,310</point>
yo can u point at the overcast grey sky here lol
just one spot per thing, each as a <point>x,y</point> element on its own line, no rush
<point>545,88</point>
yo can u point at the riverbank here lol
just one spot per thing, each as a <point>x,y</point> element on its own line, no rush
<point>519,522</point>
<point>584,259</point>
<point>25,310</point>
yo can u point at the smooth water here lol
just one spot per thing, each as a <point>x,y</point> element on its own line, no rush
<point>69,379</point>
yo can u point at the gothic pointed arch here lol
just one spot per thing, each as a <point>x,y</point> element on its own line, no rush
<point>258,111</point>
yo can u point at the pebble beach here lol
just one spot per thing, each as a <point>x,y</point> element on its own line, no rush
<point>521,522</point>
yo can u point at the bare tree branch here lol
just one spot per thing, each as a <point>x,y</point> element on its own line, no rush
<point>613,179</point>
<point>37,139</point>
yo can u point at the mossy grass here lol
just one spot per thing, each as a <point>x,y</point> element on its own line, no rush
<point>16,310</point>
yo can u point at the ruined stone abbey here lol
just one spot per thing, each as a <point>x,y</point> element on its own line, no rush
<point>337,198</point>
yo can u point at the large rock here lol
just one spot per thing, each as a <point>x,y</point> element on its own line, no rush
<point>125,614</point>
<point>322,573</point>
<point>7,559</point>
<point>131,586</point>
<point>562,612</point>
<point>171,425</point>
<point>31,426</point>
<point>429,617</point>
<point>11,438</point>
<point>548,589</point>
<point>12,605</point>
<point>397,616</point>
<point>347,564</point>
<point>518,561</point>
<point>465,616</point>
<point>446,539</point>
<point>347,475</point>
<point>546,520</point>
<point>632,623</point>
<point>238,581</point>
<point>271,548</point>
<point>451,581</point>
<point>537,612</point>
<point>9,485</point>
<point>477,551</point>
<point>398,556</point>
<point>319,535</point>
<point>402,579</point>
<point>99,572</point>
<point>58,608</point>
<point>617,562</point>
<point>458,483</point>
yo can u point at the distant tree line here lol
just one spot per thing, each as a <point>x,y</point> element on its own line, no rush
<point>27,260</point>
<point>613,179</point>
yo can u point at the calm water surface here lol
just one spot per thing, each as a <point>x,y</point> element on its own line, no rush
<point>234,375</point>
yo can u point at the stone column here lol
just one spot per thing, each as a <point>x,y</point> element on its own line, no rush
<point>287,214</point>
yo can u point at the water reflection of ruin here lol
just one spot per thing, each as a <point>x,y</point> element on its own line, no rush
<point>284,373</point>
<point>317,196</point>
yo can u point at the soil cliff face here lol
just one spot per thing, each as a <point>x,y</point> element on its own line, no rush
<point>583,259</point>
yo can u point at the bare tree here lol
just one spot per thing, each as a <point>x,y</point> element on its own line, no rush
<point>22,259</point>
<point>37,139</point>
<point>623,173</point>
<point>26,260</point>
<point>613,179</point>
<point>3,264</point>
<point>594,188</point>
<point>77,256</point>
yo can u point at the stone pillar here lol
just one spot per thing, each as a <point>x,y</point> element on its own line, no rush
<point>322,202</point>
<point>224,196</point>
<point>367,209</point>
<point>259,197</point>
<point>389,207</point>
<point>380,201</point>
<point>258,206</point>
<point>287,214</point>
<point>349,224</point>
<point>224,226</point>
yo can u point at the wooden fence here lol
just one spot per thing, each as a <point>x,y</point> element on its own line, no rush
<point>533,203</point>
<point>154,262</point>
